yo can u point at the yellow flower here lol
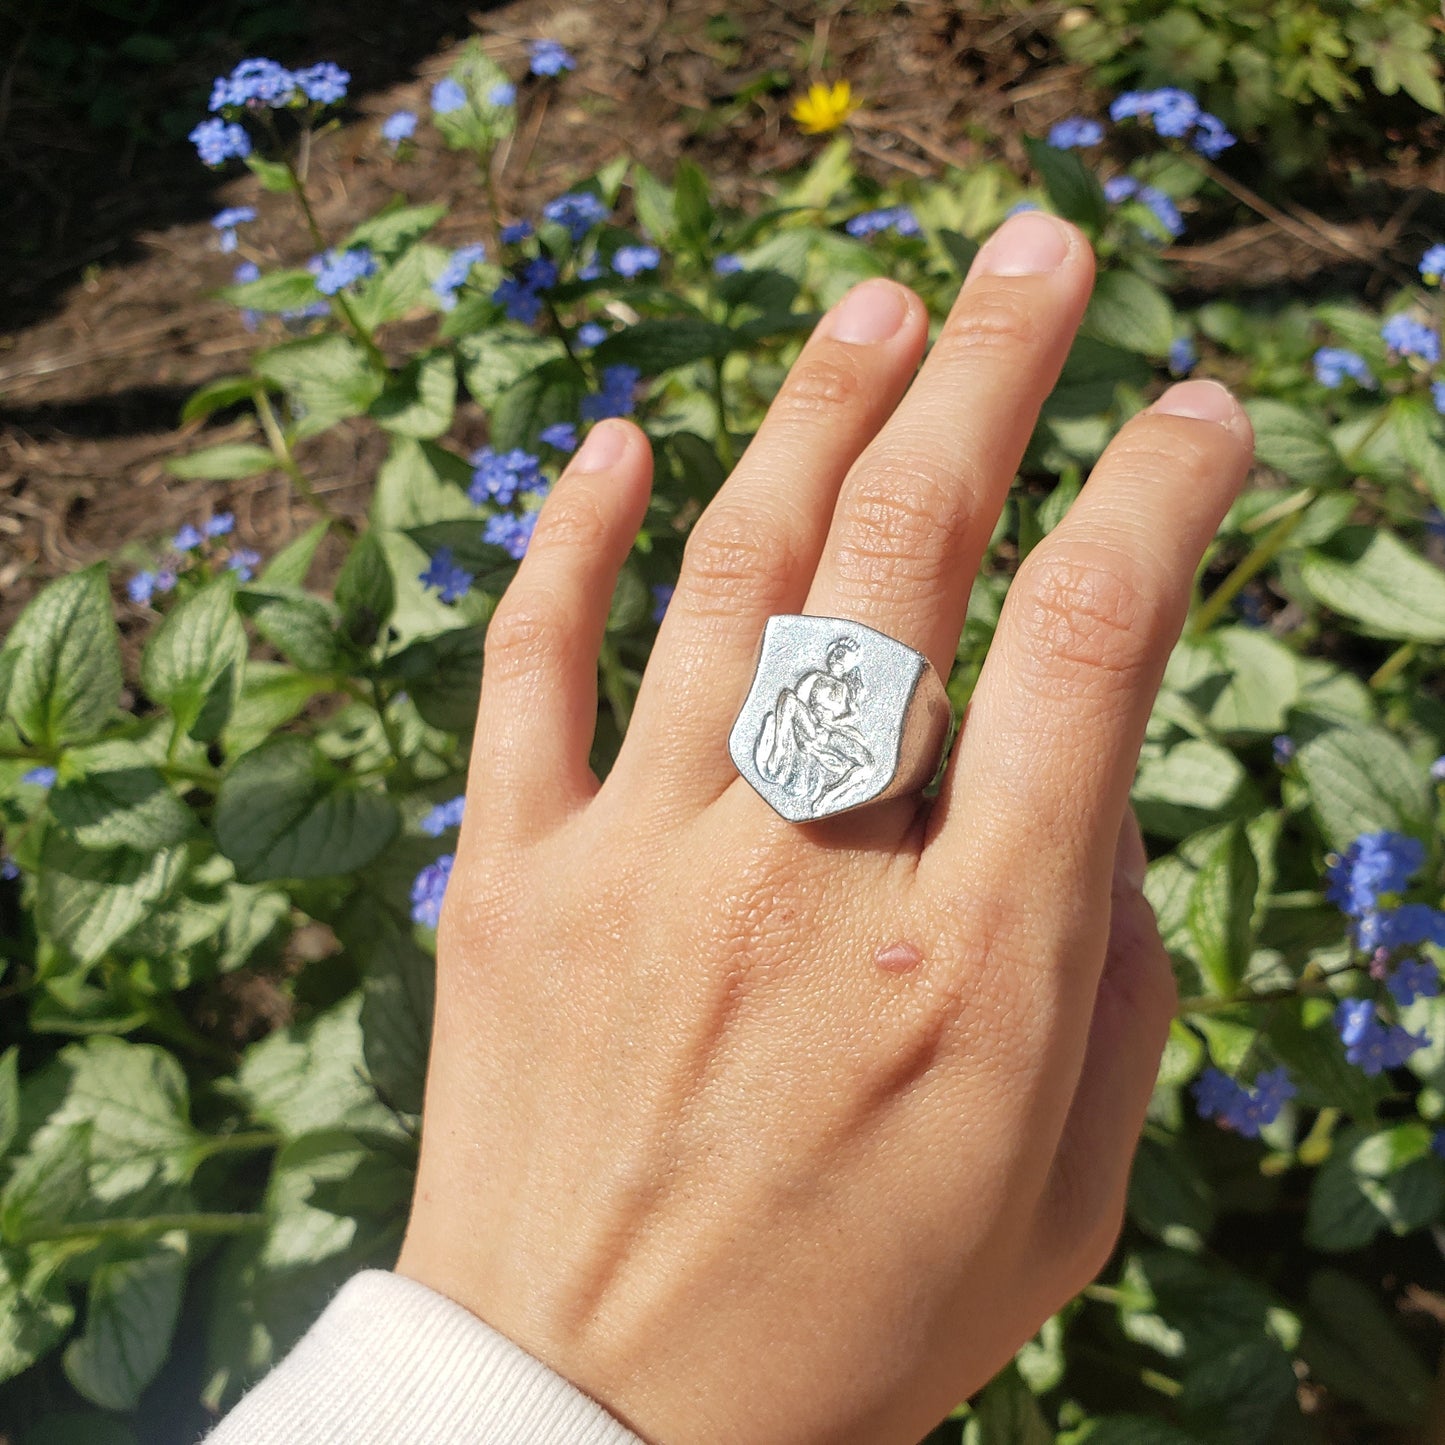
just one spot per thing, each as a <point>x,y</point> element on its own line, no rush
<point>824,107</point>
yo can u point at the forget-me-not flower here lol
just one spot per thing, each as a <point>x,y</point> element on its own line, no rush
<point>429,888</point>
<point>339,269</point>
<point>447,95</point>
<point>400,125</point>
<point>1075,133</point>
<point>1407,336</point>
<point>217,141</point>
<point>549,57</point>
<point>1334,363</point>
<point>449,579</point>
<point>225,223</point>
<point>630,261</point>
<point>455,272</point>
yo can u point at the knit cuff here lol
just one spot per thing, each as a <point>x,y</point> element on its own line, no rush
<point>391,1362</point>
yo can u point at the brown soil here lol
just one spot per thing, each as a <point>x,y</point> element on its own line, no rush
<point>102,356</point>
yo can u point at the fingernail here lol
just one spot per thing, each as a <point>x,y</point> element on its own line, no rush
<point>1205,401</point>
<point>871,312</point>
<point>604,444</point>
<point>1025,245</point>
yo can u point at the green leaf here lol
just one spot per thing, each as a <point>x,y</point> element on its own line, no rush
<point>312,1076</point>
<point>1417,429</point>
<point>365,592</point>
<point>550,393</point>
<point>121,807</point>
<point>1295,443</point>
<point>272,174</point>
<point>130,1315</point>
<point>1128,311</point>
<point>421,399</point>
<point>292,564</point>
<point>1221,909</point>
<point>271,695</point>
<point>302,628</point>
<point>1356,1350</point>
<point>34,1314</point>
<point>1369,574</point>
<point>284,811</point>
<point>691,206</point>
<point>48,1187</point>
<point>403,287</point>
<point>195,659</point>
<point>391,231</point>
<point>89,901</point>
<point>65,677</point>
<point>495,359</point>
<point>1137,1430</point>
<point>1361,780</point>
<point>9,1097</point>
<point>1072,187</point>
<point>328,377</point>
<point>1168,1196</point>
<point>653,202</point>
<point>222,463</point>
<point>75,1428</point>
<point>446,692</point>
<point>276,291</point>
<point>1363,1188</point>
<point>217,395</point>
<point>658,344</point>
<point>1009,1415</point>
<point>1316,1060</point>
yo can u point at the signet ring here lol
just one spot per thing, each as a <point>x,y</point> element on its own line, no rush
<point>839,715</point>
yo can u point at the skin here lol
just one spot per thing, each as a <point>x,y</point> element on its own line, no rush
<point>758,1131</point>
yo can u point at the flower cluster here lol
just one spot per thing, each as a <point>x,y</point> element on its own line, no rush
<point>443,816</point>
<point>336,270</point>
<point>548,57</point>
<point>502,477</point>
<point>1125,188</point>
<point>1334,363</point>
<point>521,296</point>
<point>1406,337</point>
<point>1076,132</point>
<point>577,212</point>
<point>455,272</point>
<point>1370,1044</point>
<point>190,545</point>
<point>1238,1107</point>
<point>258,84</point>
<point>631,261</point>
<point>1432,265</point>
<point>225,222</point>
<point>898,219</point>
<point>428,890</point>
<point>616,396</point>
<point>511,532</point>
<point>1176,114</point>
<point>399,126</point>
<point>443,573</point>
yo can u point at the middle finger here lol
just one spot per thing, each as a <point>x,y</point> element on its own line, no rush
<point>916,510</point>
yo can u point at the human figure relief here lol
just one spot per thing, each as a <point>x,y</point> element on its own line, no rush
<point>807,743</point>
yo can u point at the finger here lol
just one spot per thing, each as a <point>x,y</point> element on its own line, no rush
<point>753,551</point>
<point>1054,726</point>
<point>538,707</point>
<point>1083,1203</point>
<point>916,512</point>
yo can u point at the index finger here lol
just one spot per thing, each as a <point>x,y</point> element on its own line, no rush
<point>1052,736</point>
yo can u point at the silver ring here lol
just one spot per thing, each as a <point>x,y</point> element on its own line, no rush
<point>838,715</point>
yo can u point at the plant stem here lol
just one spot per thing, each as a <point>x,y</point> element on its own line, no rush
<point>142,1228</point>
<point>299,187</point>
<point>1392,666</point>
<point>388,727</point>
<point>239,1143</point>
<point>1253,562</point>
<point>286,460</point>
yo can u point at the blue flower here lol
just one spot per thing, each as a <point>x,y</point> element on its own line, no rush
<point>549,58</point>
<point>1406,336</point>
<point>217,141</point>
<point>616,396</point>
<point>590,334</point>
<point>1437,1143</point>
<point>1413,978</point>
<point>1432,265</point>
<point>1401,927</point>
<point>428,889</point>
<point>41,777</point>
<point>1334,363</point>
<point>246,272</point>
<point>1211,139</point>
<point>254,82</point>
<point>727,264</point>
<point>447,95</point>
<point>502,477</point>
<point>325,83</point>
<point>1238,1107</point>
<point>226,222</point>
<point>455,272</point>
<point>511,532</point>
<point>187,539</point>
<point>243,562</point>
<point>517,231</point>
<point>1437,395</point>
<point>502,94</point>
<point>578,212</point>
<point>1371,1045</point>
<point>221,525</point>
<point>400,125</point>
<point>630,261</point>
<point>540,274</point>
<point>1284,750</point>
<point>9,870</point>
<point>1164,208</point>
<point>1120,188</point>
<point>1019,207</point>
<point>145,585</point>
<point>340,269</point>
<point>521,303</point>
<point>1183,357</point>
<point>1173,112</point>
<point>898,219</point>
<point>561,434</point>
<point>1437,770</point>
<point>1373,865</point>
<point>661,596</point>
<point>1075,133</point>
<point>590,270</point>
<point>450,580</point>
<point>443,816</point>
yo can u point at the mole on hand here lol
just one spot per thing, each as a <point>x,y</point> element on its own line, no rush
<point>901,957</point>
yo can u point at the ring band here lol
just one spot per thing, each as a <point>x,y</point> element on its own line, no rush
<point>838,715</point>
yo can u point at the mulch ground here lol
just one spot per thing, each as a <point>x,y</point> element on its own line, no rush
<point>112,320</point>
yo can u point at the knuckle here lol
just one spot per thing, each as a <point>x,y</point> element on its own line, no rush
<point>732,558</point>
<point>819,386</point>
<point>572,519</point>
<point>1082,608</point>
<point>1159,448</point>
<point>523,631</point>
<point>992,318</point>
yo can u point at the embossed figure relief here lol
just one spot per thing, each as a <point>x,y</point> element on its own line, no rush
<point>807,744</point>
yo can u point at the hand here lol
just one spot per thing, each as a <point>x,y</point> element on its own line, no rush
<point>688,1137</point>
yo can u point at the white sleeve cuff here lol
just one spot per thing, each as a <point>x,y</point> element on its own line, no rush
<point>391,1362</point>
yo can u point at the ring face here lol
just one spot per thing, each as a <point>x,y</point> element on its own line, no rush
<point>838,715</point>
